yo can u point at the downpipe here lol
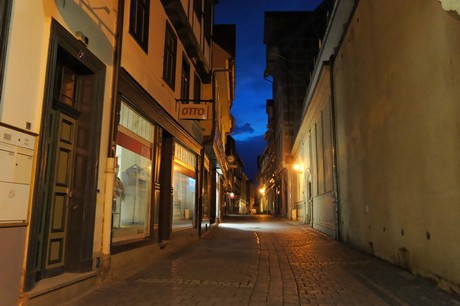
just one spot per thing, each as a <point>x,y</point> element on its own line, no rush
<point>334,152</point>
<point>107,215</point>
<point>110,161</point>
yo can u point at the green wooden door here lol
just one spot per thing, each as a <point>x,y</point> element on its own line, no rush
<point>60,196</point>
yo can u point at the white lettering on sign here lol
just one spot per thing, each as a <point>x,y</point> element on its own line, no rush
<point>193,111</point>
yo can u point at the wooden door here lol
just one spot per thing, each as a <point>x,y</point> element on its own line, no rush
<point>60,195</point>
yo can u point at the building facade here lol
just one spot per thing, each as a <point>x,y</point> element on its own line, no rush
<point>377,135</point>
<point>267,163</point>
<point>224,55</point>
<point>114,151</point>
<point>292,42</point>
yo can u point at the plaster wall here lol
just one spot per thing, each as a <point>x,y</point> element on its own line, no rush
<point>147,67</point>
<point>12,241</point>
<point>27,52</point>
<point>396,77</point>
<point>313,151</point>
<point>24,84</point>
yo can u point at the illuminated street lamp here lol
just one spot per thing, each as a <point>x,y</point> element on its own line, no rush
<point>298,168</point>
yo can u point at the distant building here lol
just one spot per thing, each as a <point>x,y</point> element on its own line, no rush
<point>292,40</point>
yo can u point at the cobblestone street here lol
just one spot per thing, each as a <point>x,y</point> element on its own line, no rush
<point>261,260</point>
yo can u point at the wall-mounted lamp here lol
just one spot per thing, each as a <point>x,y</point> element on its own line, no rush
<point>262,191</point>
<point>298,168</point>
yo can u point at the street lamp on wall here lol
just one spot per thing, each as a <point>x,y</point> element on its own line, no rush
<point>262,191</point>
<point>298,168</point>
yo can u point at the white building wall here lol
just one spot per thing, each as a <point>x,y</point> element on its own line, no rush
<point>396,79</point>
<point>23,93</point>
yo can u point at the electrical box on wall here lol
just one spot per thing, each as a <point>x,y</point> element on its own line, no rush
<point>16,163</point>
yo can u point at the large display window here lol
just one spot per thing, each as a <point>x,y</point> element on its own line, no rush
<point>184,182</point>
<point>132,191</point>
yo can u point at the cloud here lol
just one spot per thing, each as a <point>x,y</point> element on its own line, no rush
<point>249,150</point>
<point>245,129</point>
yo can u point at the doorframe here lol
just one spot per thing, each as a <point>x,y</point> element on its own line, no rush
<point>61,38</point>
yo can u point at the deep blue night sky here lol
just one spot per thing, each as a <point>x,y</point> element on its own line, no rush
<point>252,90</point>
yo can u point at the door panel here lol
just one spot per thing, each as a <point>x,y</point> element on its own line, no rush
<point>61,191</point>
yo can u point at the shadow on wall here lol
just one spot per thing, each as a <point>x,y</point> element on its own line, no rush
<point>89,24</point>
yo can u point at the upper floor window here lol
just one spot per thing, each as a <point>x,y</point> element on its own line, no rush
<point>185,79</point>
<point>169,64</point>
<point>207,20</point>
<point>197,7</point>
<point>139,22</point>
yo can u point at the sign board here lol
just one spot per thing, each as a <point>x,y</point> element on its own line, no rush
<point>193,111</point>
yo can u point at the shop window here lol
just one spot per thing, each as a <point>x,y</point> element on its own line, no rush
<point>132,191</point>
<point>139,22</point>
<point>206,190</point>
<point>184,182</point>
<point>169,64</point>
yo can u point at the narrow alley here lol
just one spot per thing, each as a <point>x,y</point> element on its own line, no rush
<point>262,260</point>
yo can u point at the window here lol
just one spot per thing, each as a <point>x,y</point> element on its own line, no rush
<point>169,65</point>
<point>139,22</point>
<point>197,7</point>
<point>196,88</point>
<point>68,87</point>
<point>207,20</point>
<point>131,203</point>
<point>185,79</point>
<point>184,188</point>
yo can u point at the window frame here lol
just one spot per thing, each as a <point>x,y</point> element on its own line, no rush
<point>123,243</point>
<point>170,54</point>
<point>207,19</point>
<point>196,88</point>
<point>198,9</point>
<point>185,79</point>
<point>139,29</point>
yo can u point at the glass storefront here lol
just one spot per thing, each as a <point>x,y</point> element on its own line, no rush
<point>206,190</point>
<point>132,191</point>
<point>184,182</point>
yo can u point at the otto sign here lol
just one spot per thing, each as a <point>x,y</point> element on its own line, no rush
<point>193,111</point>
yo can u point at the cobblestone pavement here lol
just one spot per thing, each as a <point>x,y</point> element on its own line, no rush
<point>261,260</point>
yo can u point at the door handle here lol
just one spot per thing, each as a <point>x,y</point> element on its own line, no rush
<point>69,197</point>
<point>69,192</point>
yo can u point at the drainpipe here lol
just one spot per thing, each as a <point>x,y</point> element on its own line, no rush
<point>334,151</point>
<point>107,217</point>
<point>110,162</point>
